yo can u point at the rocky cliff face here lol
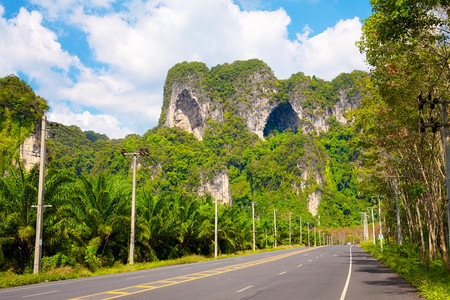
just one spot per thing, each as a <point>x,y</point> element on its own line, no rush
<point>29,151</point>
<point>258,98</point>
<point>194,94</point>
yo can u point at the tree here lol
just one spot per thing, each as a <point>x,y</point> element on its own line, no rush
<point>18,193</point>
<point>407,43</point>
<point>102,208</point>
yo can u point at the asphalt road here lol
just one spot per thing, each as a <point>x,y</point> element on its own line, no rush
<point>332,272</point>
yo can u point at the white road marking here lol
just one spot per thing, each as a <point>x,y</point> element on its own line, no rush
<point>40,294</point>
<point>310,260</point>
<point>282,273</point>
<point>305,254</point>
<point>344,292</point>
<point>246,288</point>
<point>134,277</point>
<point>300,265</point>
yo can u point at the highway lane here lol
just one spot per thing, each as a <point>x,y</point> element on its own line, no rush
<point>300,273</point>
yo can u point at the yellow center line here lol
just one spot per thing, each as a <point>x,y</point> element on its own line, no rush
<point>185,278</point>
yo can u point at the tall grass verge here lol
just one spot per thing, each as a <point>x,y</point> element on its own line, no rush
<point>432,281</point>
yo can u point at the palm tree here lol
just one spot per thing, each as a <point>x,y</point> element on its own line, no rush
<point>102,209</point>
<point>18,194</point>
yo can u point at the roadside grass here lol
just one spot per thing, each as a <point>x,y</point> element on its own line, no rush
<point>10,279</point>
<point>432,281</point>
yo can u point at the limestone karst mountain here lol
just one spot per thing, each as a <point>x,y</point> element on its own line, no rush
<point>194,96</point>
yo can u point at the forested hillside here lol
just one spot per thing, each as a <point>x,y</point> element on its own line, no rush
<point>88,184</point>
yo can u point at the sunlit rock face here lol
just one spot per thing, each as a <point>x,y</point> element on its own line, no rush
<point>218,188</point>
<point>29,151</point>
<point>187,114</point>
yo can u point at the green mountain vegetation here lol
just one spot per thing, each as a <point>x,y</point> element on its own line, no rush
<point>89,220</point>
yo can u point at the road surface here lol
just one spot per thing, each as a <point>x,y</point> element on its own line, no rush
<point>331,272</point>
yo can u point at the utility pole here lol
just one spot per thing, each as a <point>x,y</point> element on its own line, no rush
<point>399,228</point>
<point>275,227</point>
<point>40,204</point>
<point>315,236</point>
<point>307,223</point>
<point>134,155</point>
<point>381,233</point>
<point>265,229</point>
<point>366,231</point>
<point>373,226</point>
<point>253,219</point>
<point>215,229</point>
<point>290,240</point>
<point>300,230</point>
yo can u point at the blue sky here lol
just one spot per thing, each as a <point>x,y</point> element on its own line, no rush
<point>101,64</point>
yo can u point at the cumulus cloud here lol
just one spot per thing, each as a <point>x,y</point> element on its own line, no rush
<point>333,51</point>
<point>139,41</point>
<point>86,121</point>
<point>28,47</point>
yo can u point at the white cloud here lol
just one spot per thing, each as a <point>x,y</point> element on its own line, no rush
<point>333,51</point>
<point>29,47</point>
<point>86,121</point>
<point>139,43</point>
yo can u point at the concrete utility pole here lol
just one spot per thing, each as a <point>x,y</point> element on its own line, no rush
<point>40,204</point>
<point>366,231</point>
<point>216,240</point>
<point>134,155</point>
<point>399,227</point>
<point>381,233</point>
<point>307,223</point>
<point>253,219</point>
<point>315,236</point>
<point>275,227</point>
<point>265,229</point>
<point>300,230</point>
<point>373,226</point>
<point>290,240</point>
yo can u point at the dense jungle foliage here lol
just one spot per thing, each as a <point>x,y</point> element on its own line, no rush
<point>88,184</point>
